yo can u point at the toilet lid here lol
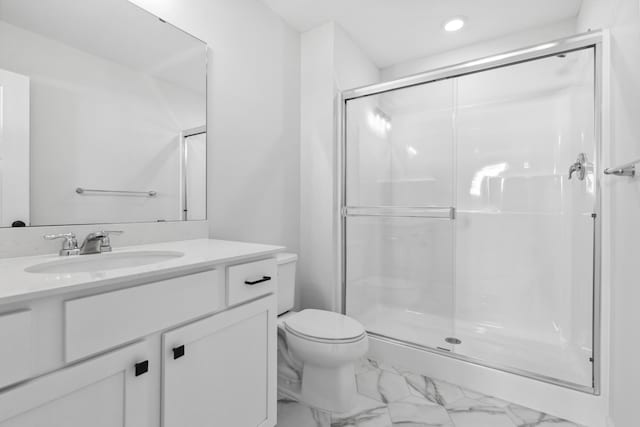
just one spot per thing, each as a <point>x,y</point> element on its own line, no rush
<point>325,325</point>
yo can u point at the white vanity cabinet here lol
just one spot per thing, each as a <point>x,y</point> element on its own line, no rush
<point>219,371</point>
<point>111,390</point>
<point>188,348</point>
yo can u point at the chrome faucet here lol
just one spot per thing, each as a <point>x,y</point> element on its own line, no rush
<point>69,246</point>
<point>579,167</point>
<point>94,243</point>
<point>97,242</point>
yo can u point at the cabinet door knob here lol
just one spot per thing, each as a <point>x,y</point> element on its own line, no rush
<point>178,352</point>
<point>256,281</point>
<point>142,367</point>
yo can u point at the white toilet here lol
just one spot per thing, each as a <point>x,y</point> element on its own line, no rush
<point>322,346</point>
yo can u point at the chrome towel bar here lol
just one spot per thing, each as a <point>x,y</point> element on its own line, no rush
<point>628,169</point>
<point>400,211</point>
<point>151,193</point>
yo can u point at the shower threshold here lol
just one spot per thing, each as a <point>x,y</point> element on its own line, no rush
<point>548,359</point>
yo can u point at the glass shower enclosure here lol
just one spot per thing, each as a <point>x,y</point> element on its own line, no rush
<point>470,211</point>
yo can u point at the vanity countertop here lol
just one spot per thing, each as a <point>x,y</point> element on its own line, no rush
<point>17,285</point>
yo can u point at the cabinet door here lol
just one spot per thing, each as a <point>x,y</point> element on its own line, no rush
<point>101,392</point>
<point>221,371</point>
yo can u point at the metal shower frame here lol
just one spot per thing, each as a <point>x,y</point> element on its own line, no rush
<point>593,39</point>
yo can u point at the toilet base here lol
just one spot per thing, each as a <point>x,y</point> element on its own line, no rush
<point>332,389</point>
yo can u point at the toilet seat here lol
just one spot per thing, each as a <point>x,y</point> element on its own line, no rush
<point>324,340</point>
<point>325,327</point>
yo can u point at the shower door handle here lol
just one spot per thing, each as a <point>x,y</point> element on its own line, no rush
<point>579,167</point>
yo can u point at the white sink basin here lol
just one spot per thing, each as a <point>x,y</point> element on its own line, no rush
<point>102,262</point>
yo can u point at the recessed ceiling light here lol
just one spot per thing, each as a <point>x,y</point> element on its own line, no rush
<point>454,24</point>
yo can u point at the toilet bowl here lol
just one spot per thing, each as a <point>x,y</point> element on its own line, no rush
<point>326,345</point>
<point>317,349</point>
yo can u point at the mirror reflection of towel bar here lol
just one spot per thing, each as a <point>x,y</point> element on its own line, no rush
<point>628,169</point>
<point>151,193</point>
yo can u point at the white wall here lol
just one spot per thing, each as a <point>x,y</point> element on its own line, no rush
<point>623,18</point>
<point>331,62</point>
<point>253,116</point>
<point>316,265</point>
<point>98,124</point>
<point>480,50</point>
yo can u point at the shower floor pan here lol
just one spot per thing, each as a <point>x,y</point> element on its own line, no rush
<point>551,357</point>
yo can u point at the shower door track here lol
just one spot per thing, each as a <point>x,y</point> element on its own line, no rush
<point>483,363</point>
<point>592,39</point>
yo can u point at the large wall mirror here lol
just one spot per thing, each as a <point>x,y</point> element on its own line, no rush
<point>102,115</point>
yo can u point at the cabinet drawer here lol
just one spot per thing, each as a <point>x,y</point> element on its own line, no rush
<point>16,352</point>
<point>99,322</point>
<point>251,280</point>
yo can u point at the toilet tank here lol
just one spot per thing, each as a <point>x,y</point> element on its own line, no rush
<point>286,281</point>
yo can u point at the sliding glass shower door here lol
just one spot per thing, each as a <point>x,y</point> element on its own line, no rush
<point>470,217</point>
<point>400,231</point>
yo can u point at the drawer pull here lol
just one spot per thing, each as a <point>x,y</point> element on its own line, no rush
<point>255,282</point>
<point>178,352</point>
<point>142,368</point>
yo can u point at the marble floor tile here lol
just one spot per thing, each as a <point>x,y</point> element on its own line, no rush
<point>367,384</point>
<point>468,412</point>
<point>550,422</point>
<point>521,415</point>
<point>472,394</point>
<point>525,417</point>
<point>384,366</point>
<point>435,391</point>
<point>364,365</point>
<point>480,418</point>
<point>390,397</point>
<point>418,400</point>
<point>493,401</point>
<point>393,387</point>
<point>291,385</point>
<point>295,414</point>
<point>431,415</point>
<point>377,417</point>
<point>362,405</point>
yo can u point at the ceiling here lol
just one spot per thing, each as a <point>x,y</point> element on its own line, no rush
<point>394,31</point>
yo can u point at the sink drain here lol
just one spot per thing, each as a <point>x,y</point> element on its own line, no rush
<point>453,340</point>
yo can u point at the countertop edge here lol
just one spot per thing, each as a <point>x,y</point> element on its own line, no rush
<point>137,279</point>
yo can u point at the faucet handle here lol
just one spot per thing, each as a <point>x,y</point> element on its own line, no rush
<point>579,167</point>
<point>105,246</point>
<point>69,246</point>
<point>67,236</point>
